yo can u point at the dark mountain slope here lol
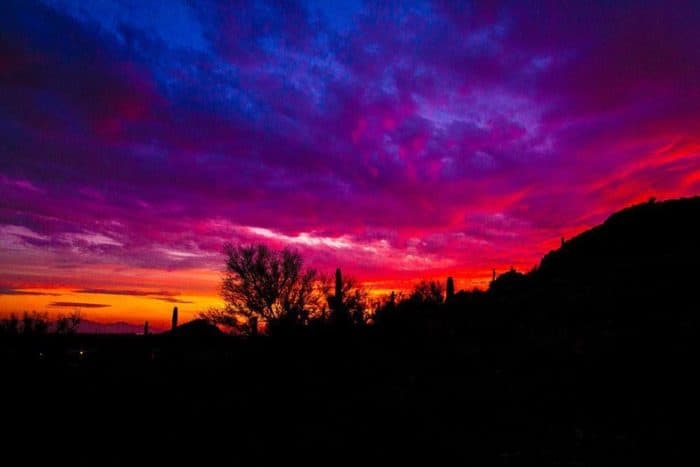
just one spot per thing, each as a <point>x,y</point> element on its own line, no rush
<point>635,275</point>
<point>646,244</point>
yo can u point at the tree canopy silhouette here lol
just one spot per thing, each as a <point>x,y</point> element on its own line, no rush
<point>428,293</point>
<point>264,286</point>
<point>35,323</point>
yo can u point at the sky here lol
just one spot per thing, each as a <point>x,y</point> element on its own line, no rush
<point>400,141</point>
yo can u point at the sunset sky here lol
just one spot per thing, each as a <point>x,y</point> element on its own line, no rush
<point>412,140</point>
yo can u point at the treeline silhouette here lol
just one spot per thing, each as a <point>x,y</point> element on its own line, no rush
<point>588,359</point>
<point>35,323</point>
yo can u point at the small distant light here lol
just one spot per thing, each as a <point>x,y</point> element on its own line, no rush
<point>82,353</point>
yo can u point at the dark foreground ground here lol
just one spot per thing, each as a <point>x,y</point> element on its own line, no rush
<point>127,400</point>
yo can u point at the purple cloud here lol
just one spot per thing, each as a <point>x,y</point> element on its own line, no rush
<point>13,291</point>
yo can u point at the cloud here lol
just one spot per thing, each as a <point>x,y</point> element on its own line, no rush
<point>398,139</point>
<point>162,295</point>
<point>135,293</point>
<point>13,291</point>
<point>172,300</point>
<point>79,305</point>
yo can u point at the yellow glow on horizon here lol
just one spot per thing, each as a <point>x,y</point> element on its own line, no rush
<point>149,295</point>
<point>134,309</point>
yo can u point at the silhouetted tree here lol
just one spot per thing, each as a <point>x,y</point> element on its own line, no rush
<point>508,282</point>
<point>427,292</point>
<point>385,309</point>
<point>10,325</point>
<point>412,314</point>
<point>38,323</point>
<point>68,324</point>
<point>267,287</point>
<point>252,327</point>
<point>35,323</point>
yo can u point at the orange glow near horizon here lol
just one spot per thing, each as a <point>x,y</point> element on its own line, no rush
<point>194,292</point>
<point>105,308</point>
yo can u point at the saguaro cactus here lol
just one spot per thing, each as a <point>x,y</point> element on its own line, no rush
<point>450,289</point>
<point>174,318</point>
<point>338,287</point>
<point>337,302</point>
<point>145,328</point>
